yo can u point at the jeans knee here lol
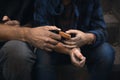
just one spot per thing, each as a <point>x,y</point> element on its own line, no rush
<point>16,50</point>
<point>106,53</point>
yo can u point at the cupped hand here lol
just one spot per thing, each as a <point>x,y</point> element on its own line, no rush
<point>77,58</point>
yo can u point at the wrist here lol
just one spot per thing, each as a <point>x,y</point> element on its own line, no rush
<point>90,38</point>
<point>24,34</point>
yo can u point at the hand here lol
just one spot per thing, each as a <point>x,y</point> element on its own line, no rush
<point>80,39</point>
<point>42,38</point>
<point>10,22</point>
<point>77,58</point>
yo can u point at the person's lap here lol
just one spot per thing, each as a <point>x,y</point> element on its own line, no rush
<point>16,55</point>
<point>99,62</point>
<point>16,61</point>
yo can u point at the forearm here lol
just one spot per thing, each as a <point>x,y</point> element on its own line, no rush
<point>12,33</point>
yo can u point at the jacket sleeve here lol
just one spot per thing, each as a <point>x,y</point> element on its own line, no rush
<point>97,24</point>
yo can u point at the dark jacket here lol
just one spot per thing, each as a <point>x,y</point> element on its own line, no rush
<point>88,16</point>
<point>21,10</point>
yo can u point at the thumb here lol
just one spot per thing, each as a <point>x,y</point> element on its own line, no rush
<point>78,53</point>
<point>71,31</point>
<point>53,28</point>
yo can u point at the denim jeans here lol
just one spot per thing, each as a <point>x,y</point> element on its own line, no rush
<point>99,61</point>
<point>16,61</point>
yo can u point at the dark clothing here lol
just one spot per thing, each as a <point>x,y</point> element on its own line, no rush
<point>16,57</point>
<point>87,15</point>
<point>84,15</point>
<point>99,62</point>
<point>16,61</point>
<point>21,10</point>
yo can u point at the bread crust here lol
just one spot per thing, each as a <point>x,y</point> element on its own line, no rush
<point>64,35</point>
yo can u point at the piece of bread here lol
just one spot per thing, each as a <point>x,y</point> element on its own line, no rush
<point>64,35</point>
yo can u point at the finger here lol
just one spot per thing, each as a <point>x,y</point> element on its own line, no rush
<point>52,41</point>
<point>16,22</point>
<point>77,53</point>
<point>69,42</point>
<point>54,36</point>
<point>77,34</point>
<point>70,46</point>
<point>5,18</point>
<point>47,47</point>
<point>8,22</point>
<point>52,28</point>
<point>76,38</point>
<point>50,46</point>
<point>82,62</point>
<point>13,23</point>
<point>74,61</point>
<point>71,31</point>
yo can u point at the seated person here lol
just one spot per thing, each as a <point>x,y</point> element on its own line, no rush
<point>84,20</point>
<point>11,52</point>
<point>16,53</point>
